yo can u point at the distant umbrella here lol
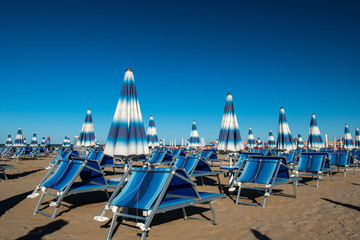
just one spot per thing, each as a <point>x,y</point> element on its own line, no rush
<point>348,141</point>
<point>151,134</point>
<point>259,143</point>
<point>66,142</point>
<point>127,138</point>
<point>9,141</point>
<point>315,141</point>
<point>194,136</point>
<point>229,137</point>
<point>24,141</point>
<point>285,141</point>
<point>271,140</point>
<point>87,135</point>
<point>43,142</point>
<point>251,141</point>
<point>300,143</point>
<point>19,139</point>
<point>357,138</point>
<point>34,142</point>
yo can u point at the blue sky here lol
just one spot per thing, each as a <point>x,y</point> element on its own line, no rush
<point>59,58</point>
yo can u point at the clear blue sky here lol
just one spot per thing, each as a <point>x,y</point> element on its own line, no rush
<point>59,58</point>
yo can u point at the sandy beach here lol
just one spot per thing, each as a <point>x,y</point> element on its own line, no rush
<point>330,212</point>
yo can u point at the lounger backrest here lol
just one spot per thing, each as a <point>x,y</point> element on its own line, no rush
<point>166,157</point>
<point>91,154</point>
<point>107,160</point>
<point>99,155</point>
<point>258,170</point>
<point>357,155</point>
<point>343,159</point>
<point>283,171</point>
<point>186,162</point>
<point>311,163</point>
<point>88,175</point>
<point>180,188</point>
<point>154,157</point>
<point>19,151</point>
<point>333,158</point>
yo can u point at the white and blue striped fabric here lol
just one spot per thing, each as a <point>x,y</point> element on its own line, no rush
<point>285,141</point>
<point>24,141</point>
<point>127,136</point>
<point>43,142</point>
<point>66,142</point>
<point>315,141</point>
<point>9,141</point>
<point>34,142</point>
<point>271,140</point>
<point>19,139</point>
<point>87,135</point>
<point>348,140</point>
<point>259,143</point>
<point>251,141</point>
<point>151,134</point>
<point>229,137</point>
<point>194,136</point>
<point>357,138</point>
<point>300,143</point>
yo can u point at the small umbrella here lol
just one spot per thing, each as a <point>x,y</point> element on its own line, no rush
<point>34,142</point>
<point>348,141</point>
<point>300,141</point>
<point>43,142</point>
<point>357,138</point>
<point>229,137</point>
<point>271,140</point>
<point>19,139</point>
<point>194,136</point>
<point>9,141</point>
<point>151,134</point>
<point>315,141</point>
<point>285,141</point>
<point>259,143</point>
<point>251,141</point>
<point>87,136</point>
<point>24,141</point>
<point>66,142</point>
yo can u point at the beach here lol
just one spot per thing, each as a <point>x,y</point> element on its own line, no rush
<point>330,212</point>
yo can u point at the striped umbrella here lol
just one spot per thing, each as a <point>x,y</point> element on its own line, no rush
<point>229,137</point>
<point>357,138</point>
<point>194,136</point>
<point>87,135</point>
<point>9,141</point>
<point>259,143</point>
<point>43,142</point>
<point>348,141</point>
<point>66,142</point>
<point>34,142</point>
<point>315,141</point>
<point>19,139</point>
<point>24,141</point>
<point>151,134</point>
<point>300,143</point>
<point>127,136</point>
<point>251,141</point>
<point>285,141</point>
<point>271,140</point>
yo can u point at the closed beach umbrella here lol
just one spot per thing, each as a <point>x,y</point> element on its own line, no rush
<point>348,141</point>
<point>9,141</point>
<point>259,143</point>
<point>127,136</point>
<point>43,142</point>
<point>271,140</point>
<point>285,141</point>
<point>34,142</point>
<point>151,134</point>
<point>194,136</point>
<point>229,137</point>
<point>66,142</point>
<point>315,141</point>
<point>357,138</point>
<point>24,141</point>
<point>87,135</point>
<point>300,141</point>
<point>19,139</point>
<point>251,141</point>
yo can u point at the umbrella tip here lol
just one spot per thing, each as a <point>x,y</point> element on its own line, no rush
<point>229,94</point>
<point>129,69</point>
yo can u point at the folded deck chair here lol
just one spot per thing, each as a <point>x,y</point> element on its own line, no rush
<point>314,165</point>
<point>35,152</point>
<point>4,167</point>
<point>267,171</point>
<point>161,156</point>
<point>5,153</point>
<point>157,190</point>
<point>63,182</point>
<point>344,160</point>
<point>17,153</point>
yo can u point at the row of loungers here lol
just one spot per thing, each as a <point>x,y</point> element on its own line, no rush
<point>17,153</point>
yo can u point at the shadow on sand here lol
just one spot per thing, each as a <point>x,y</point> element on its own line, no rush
<point>23,174</point>
<point>259,235</point>
<point>342,204</point>
<point>39,232</point>
<point>11,202</point>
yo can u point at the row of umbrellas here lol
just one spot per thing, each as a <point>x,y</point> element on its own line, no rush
<point>20,141</point>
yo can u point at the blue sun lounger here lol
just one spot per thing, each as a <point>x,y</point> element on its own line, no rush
<point>62,182</point>
<point>157,190</point>
<point>344,160</point>
<point>5,153</point>
<point>162,156</point>
<point>267,171</point>
<point>313,164</point>
<point>210,156</point>
<point>4,167</point>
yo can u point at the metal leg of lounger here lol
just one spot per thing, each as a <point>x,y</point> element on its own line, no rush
<point>107,193</point>
<point>184,212</point>
<point>39,203</point>
<point>238,194</point>
<point>317,180</point>
<point>111,229</point>
<point>143,235</point>
<point>4,174</point>
<point>294,186</point>
<point>202,181</point>
<point>220,186</point>
<point>213,212</point>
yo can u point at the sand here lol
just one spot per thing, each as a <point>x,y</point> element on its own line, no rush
<point>330,212</point>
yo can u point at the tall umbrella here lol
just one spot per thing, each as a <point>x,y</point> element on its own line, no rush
<point>127,138</point>
<point>229,137</point>
<point>194,136</point>
<point>8,141</point>
<point>285,141</point>
<point>315,141</point>
<point>87,135</point>
<point>300,143</point>
<point>357,138</point>
<point>34,142</point>
<point>271,140</point>
<point>43,142</point>
<point>348,141</point>
<point>19,139</point>
<point>251,141</point>
<point>151,134</point>
<point>259,143</point>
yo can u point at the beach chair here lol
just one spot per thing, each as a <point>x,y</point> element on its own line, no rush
<point>150,191</point>
<point>35,152</point>
<point>107,161</point>
<point>177,152</point>
<point>210,156</point>
<point>4,167</point>
<point>344,160</point>
<point>5,153</point>
<point>314,165</point>
<point>63,182</point>
<point>161,156</point>
<point>26,153</point>
<point>267,171</point>
<point>17,153</point>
